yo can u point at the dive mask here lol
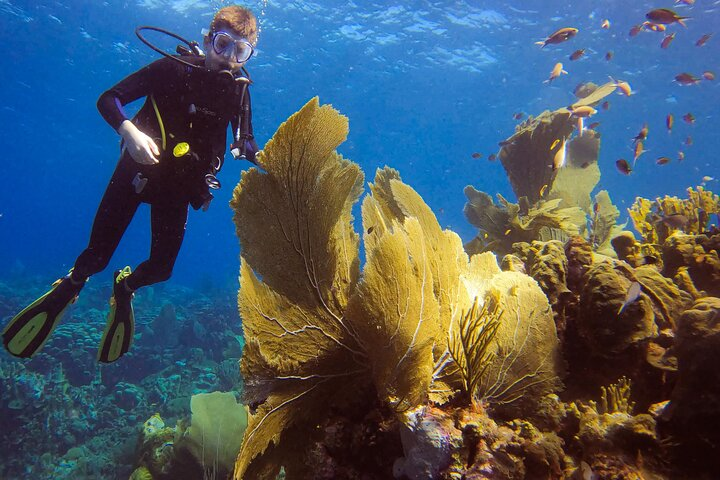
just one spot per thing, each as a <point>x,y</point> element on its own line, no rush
<point>226,45</point>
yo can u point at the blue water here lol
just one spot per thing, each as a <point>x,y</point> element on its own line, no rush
<point>424,84</point>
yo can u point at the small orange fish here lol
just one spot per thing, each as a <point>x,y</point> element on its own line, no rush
<point>623,166</point>
<point>703,40</point>
<point>559,158</point>
<point>518,115</point>
<point>681,156</point>
<point>686,79</point>
<point>492,157</point>
<point>554,144</point>
<point>665,16</point>
<point>688,140</point>
<point>654,27</point>
<point>642,135</point>
<point>669,120</point>
<point>666,41</point>
<point>623,86</point>
<point>689,118</point>
<point>583,111</point>
<point>605,24</point>
<point>558,36</point>
<point>476,155</point>
<point>593,125</point>
<point>605,105</point>
<point>577,54</point>
<point>609,55</point>
<point>708,75</point>
<point>542,190</point>
<point>635,30</point>
<point>639,150</point>
<point>556,72</point>
<point>662,160</point>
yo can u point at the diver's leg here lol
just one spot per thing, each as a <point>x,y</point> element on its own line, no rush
<point>117,208</point>
<point>168,230</point>
<point>28,331</point>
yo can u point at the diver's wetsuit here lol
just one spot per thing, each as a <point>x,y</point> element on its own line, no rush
<point>190,105</point>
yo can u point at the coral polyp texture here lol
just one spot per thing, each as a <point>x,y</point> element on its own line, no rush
<point>436,360</point>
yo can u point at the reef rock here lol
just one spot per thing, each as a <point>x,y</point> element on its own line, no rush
<point>547,264</point>
<point>605,330</point>
<point>693,414</point>
<point>668,301</point>
<point>698,255</point>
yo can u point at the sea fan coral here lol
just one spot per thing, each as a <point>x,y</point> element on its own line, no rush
<point>320,337</point>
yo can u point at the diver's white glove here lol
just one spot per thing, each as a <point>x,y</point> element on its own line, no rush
<point>141,147</point>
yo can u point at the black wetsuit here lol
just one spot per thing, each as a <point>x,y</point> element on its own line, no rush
<point>193,106</point>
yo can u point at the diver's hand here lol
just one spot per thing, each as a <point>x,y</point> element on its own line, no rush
<point>141,147</point>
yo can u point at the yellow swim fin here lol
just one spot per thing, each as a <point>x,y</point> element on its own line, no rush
<point>28,331</point>
<point>120,327</point>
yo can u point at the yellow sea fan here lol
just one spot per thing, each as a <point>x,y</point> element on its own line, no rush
<point>395,315</point>
<point>299,265</point>
<point>301,207</point>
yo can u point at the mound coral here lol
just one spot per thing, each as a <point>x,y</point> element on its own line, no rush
<point>322,338</point>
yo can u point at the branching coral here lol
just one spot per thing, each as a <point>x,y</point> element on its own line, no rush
<point>470,344</point>
<point>506,223</point>
<point>657,220</point>
<point>616,398</point>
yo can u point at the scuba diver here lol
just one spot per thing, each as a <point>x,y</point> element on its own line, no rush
<point>171,151</point>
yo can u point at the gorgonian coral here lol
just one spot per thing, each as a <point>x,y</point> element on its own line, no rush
<point>321,337</point>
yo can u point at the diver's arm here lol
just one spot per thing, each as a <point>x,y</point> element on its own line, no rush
<point>246,144</point>
<point>141,148</point>
<point>137,85</point>
<point>140,84</point>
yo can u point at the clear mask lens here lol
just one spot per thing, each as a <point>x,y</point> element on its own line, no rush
<point>228,47</point>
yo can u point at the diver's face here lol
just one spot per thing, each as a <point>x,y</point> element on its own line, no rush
<point>226,50</point>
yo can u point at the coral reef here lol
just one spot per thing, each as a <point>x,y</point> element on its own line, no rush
<point>528,155</point>
<point>659,219</point>
<point>321,337</point>
<point>507,223</point>
<point>444,364</point>
<point>88,416</point>
<point>553,175</point>
<point>693,413</point>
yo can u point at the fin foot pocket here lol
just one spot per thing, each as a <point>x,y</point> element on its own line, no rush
<point>120,327</point>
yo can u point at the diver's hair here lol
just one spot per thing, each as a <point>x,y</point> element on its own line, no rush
<point>237,18</point>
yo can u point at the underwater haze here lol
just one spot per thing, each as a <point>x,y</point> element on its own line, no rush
<point>430,89</point>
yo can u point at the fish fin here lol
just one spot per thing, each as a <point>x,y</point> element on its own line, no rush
<point>541,43</point>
